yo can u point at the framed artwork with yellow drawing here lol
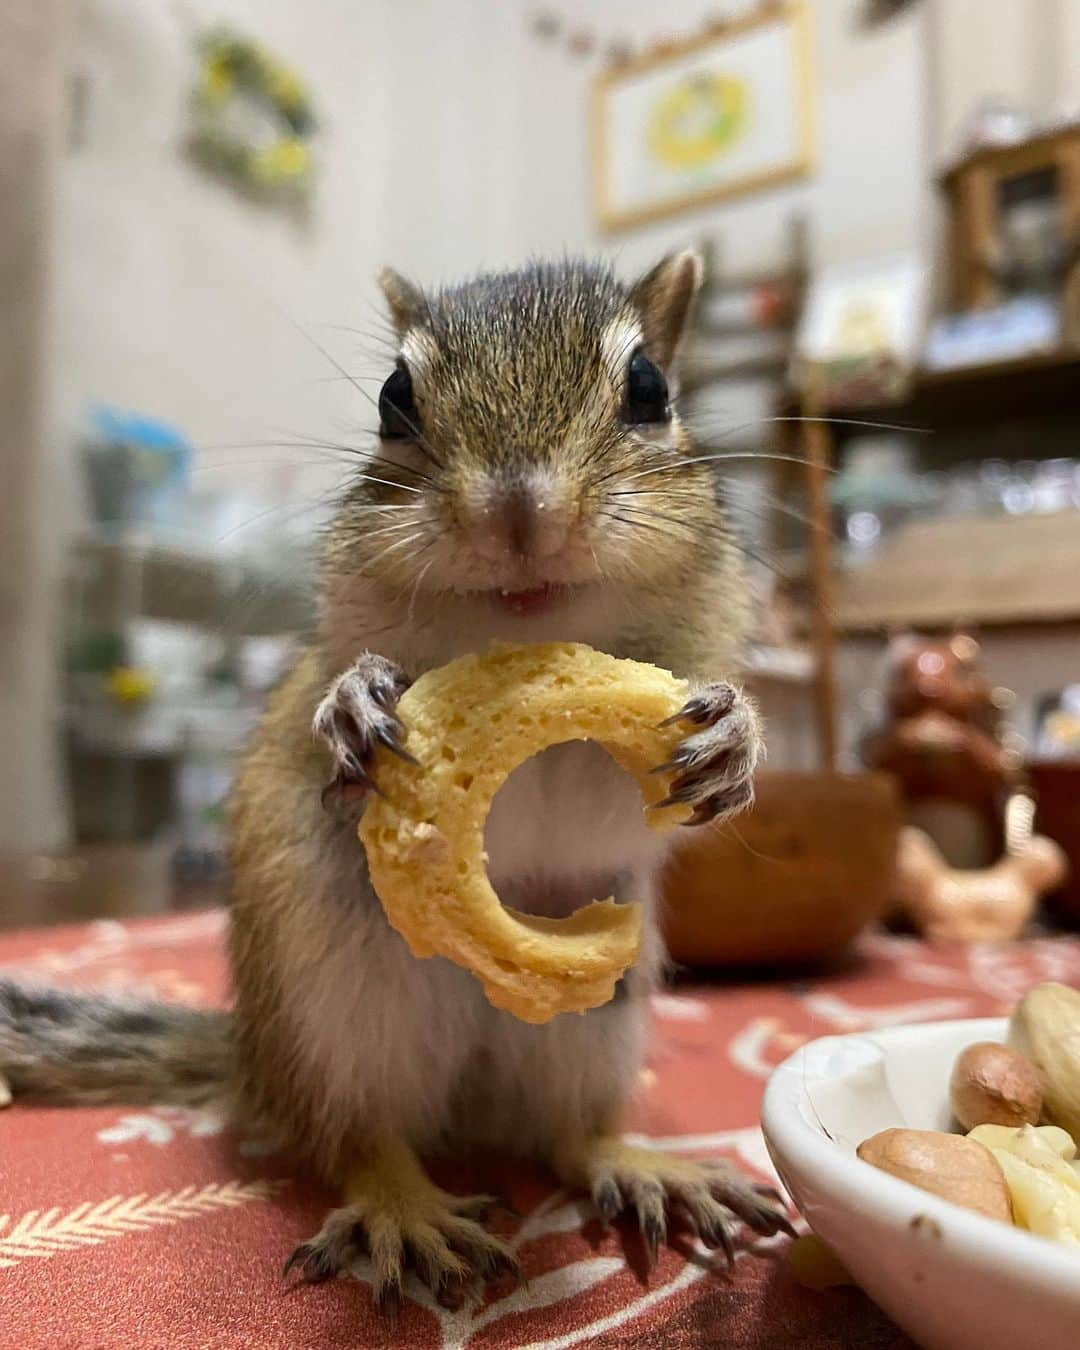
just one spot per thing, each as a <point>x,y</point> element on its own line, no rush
<point>719,115</point>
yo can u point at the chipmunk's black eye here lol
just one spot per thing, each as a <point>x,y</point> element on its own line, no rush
<point>646,391</point>
<point>398,416</point>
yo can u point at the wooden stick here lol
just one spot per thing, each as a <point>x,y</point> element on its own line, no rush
<point>817,439</point>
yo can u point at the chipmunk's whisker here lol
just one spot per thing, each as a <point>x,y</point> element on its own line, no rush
<point>341,447</point>
<point>349,378</point>
<point>681,465</point>
<point>334,448</point>
<point>420,441</point>
<point>699,424</point>
<point>392,548</point>
<point>328,448</point>
<point>770,503</point>
<point>688,526</point>
<point>387,529</point>
<point>386,339</point>
<point>416,587</point>
<point>641,521</point>
<point>323,499</point>
<point>675,527</point>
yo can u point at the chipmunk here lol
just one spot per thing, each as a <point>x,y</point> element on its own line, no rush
<point>532,480</point>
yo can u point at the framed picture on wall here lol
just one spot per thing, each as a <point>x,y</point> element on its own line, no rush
<point>862,325</point>
<point>717,116</point>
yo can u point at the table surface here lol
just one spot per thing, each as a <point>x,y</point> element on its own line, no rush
<point>159,1227</point>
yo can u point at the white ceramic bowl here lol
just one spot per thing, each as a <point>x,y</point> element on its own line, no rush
<point>952,1279</point>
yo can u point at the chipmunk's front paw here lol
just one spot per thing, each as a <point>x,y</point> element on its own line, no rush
<point>358,713</point>
<point>712,1196</point>
<point>713,768</point>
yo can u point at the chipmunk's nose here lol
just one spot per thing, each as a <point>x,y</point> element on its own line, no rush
<point>525,516</point>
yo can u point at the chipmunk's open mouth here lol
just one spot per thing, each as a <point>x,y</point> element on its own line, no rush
<point>527,603</point>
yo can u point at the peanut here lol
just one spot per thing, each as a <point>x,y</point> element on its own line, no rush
<point>956,1168</point>
<point>993,1084</point>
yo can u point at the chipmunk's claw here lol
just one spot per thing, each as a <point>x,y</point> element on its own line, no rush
<point>356,715</point>
<point>314,1262</point>
<point>388,1302</point>
<point>608,1198</point>
<point>713,767</point>
<point>706,706</point>
<point>502,1265</point>
<point>722,804</point>
<point>299,1255</point>
<point>428,1232</point>
<point>769,1193</point>
<point>389,736</point>
<point>713,1196</point>
<point>759,1206</point>
<point>653,1230</point>
<point>717,1233</point>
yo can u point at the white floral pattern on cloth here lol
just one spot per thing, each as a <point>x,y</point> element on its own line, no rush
<point>45,1233</point>
<point>558,1215</point>
<point>161,1125</point>
<point>186,1246</point>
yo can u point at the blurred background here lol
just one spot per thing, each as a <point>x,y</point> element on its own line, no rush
<point>194,197</point>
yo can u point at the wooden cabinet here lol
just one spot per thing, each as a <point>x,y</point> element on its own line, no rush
<point>1015,221</point>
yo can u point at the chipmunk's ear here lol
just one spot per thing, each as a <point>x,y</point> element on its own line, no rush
<point>404,300</point>
<point>664,297</point>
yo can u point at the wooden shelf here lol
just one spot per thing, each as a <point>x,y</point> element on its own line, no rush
<point>701,374</point>
<point>983,571</point>
<point>1011,158</point>
<point>1042,385</point>
<point>123,577</point>
<point>780,665</point>
<point>162,728</point>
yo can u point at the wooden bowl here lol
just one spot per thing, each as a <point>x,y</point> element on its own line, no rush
<point>793,880</point>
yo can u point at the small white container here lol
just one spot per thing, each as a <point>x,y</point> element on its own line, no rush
<point>953,1280</point>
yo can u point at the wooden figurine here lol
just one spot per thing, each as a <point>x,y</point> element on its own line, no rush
<point>943,743</point>
<point>947,904</point>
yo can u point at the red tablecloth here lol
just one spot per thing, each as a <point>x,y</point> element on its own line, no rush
<point>156,1228</point>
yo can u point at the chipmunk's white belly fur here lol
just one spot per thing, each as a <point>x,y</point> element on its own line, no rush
<point>566,820</point>
<point>413,1046</point>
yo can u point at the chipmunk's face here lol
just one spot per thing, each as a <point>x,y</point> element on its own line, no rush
<point>528,444</point>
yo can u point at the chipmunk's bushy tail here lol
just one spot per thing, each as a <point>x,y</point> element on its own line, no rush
<point>83,1049</point>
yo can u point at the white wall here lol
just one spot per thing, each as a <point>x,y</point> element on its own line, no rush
<point>178,297</point>
<point>1026,55</point>
<point>453,140</point>
<point>481,89</point>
